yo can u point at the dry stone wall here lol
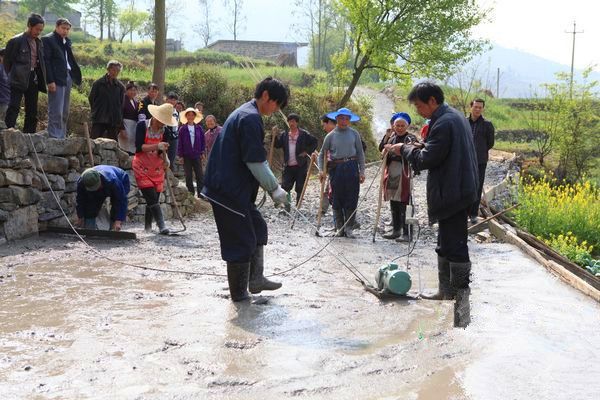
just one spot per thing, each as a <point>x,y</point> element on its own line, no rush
<point>27,205</point>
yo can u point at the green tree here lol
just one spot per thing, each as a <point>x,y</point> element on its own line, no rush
<point>42,6</point>
<point>103,15</point>
<point>131,20</point>
<point>409,38</point>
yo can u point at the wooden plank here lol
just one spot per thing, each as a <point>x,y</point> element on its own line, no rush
<point>115,235</point>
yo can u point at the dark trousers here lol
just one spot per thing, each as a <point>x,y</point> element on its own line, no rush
<point>345,185</point>
<point>193,166</point>
<point>295,175</point>
<point>239,235</point>
<point>474,211</point>
<point>105,131</point>
<point>150,195</point>
<point>31,105</point>
<point>398,210</point>
<point>452,238</point>
<point>171,153</point>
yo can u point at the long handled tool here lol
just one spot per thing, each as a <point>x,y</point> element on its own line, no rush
<point>274,132</point>
<point>381,189</point>
<point>320,212</point>
<point>86,132</point>
<point>173,199</point>
<point>310,165</point>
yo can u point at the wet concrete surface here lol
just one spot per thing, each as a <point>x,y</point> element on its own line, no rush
<point>77,326</point>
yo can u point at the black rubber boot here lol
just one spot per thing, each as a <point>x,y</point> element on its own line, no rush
<point>460,277</point>
<point>350,221</point>
<point>445,291</point>
<point>339,222</point>
<point>237,277</point>
<point>258,282</point>
<point>403,224</point>
<point>160,219</point>
<point>148,220</point>
<point>395,233</point>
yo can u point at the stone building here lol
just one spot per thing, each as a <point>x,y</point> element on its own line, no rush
<point>281,53</point>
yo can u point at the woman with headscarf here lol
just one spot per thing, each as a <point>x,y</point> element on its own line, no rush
<point>150,161</point>
<point>130,118</point>
<point>397,175</point>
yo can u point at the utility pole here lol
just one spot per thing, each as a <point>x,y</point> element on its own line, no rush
<point>498,83</point>
<point>574,33</point>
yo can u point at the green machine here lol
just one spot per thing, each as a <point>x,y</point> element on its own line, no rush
<point>391,280</point>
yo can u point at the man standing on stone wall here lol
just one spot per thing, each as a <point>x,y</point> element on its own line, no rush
<point>106,103</point>
<point>62,72</point>
<point>483,138</point>
<point>24,64</point>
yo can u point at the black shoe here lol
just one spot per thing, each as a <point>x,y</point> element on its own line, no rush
<point>392,235</point>
<point>258,282</point>
<point>339,222</point>
<point>445,291</point>
<point>237,277</point>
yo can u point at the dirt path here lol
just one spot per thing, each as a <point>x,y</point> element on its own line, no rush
<point>76,326</point>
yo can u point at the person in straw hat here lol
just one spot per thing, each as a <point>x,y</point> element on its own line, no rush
<point>346,169</point>
<point>191,148</point>
<point>150,161</point>
<point>93,187</point>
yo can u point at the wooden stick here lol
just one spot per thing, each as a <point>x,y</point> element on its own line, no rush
<point>86,133</point>
<point>312,157</point>
<point>472,228</point>
<point>322,193</point>
<point>274,130</point>
<point>173,199</point>
<point>381,189</point>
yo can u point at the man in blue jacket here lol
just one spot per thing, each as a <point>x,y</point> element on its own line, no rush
<point>93,187</point>
<point>449,156</point>
<point>62,72</point>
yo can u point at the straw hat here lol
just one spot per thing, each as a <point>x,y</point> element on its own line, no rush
<point>163,113</point>
<point>183,118</point>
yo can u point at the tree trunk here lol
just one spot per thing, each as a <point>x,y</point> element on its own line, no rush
<point>160,45</point>
<point>101,20</point>
<point>355,78</point>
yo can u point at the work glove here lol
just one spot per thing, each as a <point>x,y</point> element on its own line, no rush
<point>280,197</point>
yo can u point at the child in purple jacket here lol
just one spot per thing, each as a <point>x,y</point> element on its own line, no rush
<point>191,148</point>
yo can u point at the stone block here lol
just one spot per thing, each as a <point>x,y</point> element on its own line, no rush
<point>52,164</point>
<point>70,187</point>
<point>4,216</point>
<point>50,215</point>
<point>57,182</point>
<point>12,144</point>
<point>21,223</point>
<point>108,156</point>
<point>124,159</point>
<point>47,201</point>
<point>74,162</point>
<point>104,144</point>
<point>66,147</point>
<point>39,142</point>
<point>15,177</point>
<point>9,206</point>
<point>72,176</point>
<point>24,196</point>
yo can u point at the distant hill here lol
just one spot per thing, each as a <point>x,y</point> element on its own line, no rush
<point>520,72</point>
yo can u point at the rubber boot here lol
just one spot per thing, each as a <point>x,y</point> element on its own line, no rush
<point>459,280</point>
<point>402,223</point>
<point>339,222</point>
<point>350,221</point>
<point>160,219</point>
<point>237,277</point>
<point>395,233</point>
<point>258,282</point>
<point>148,220</point>
<point>445,291</point>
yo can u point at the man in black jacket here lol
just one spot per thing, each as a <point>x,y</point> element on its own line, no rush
<point>106,103</point>
<point>24,64</point>
<point>449,155</point>
<point>297,146</point>
<point>62,72</point>
<point>483,137</point>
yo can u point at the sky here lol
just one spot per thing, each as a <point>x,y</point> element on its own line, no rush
<point>534,26</point>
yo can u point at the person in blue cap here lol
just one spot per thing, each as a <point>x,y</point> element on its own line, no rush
<point>397,175</point>
<point>93,187</point>
<point>346,169</point>
<point>236,167</point>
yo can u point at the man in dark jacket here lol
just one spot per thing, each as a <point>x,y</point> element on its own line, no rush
<point>62,72</point>
<point>297,146</point>
<point>483,137</point>
<point>106,103</point>
<point>24,64</point>
<point>93,187</point>
<point>449,155</point>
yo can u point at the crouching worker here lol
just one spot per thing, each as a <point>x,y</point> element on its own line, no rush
<point>236,168</point>
<point>93,187</point>
<point>150,161</point>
